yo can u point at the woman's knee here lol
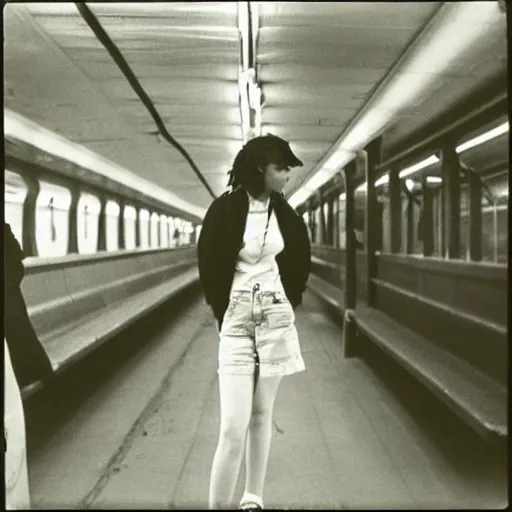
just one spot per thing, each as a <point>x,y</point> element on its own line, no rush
<point>233,433</point>
<point>261,414</point>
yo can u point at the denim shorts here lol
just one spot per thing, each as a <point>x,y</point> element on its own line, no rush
<point>258,333</point>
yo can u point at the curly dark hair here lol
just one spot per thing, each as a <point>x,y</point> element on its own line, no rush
<point>248,170</point>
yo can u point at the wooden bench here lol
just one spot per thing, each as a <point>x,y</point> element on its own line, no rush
<point>429,317</point>
<point>475,397</point>
<point>78,302</point>
<point>326,289</point>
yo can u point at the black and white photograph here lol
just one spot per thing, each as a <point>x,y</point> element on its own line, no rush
<point>256,255</point>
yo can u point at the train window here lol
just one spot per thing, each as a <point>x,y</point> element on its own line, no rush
<point>112,211</point>
<point>87,218</point>
<point>164,231</point>
<point>154,230</point>
<point>130,217</point>
<point>144,228</point>
<point>15,192</point>
<point>170,228</point>
<point>52,220</point>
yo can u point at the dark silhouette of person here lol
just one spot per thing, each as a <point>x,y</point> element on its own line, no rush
<point>29,358</point>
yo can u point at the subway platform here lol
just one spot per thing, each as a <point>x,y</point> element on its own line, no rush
<point>343,437</point>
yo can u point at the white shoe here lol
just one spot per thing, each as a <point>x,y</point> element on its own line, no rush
<point>250,502</point>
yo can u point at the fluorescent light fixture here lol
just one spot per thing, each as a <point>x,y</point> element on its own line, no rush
<point>431,160</point>
<point>337,160</point>
<point>484,137</point>
<point>245,114</point>
<point>383,180</point>
<point>370,125</point>
<point>317,180</point>
<point>434,179</point>
<point>502,191</point>
<point>250,100</point>
<point>255,24</point>
<point>243,27</point>
<point>23,129</point>
<point>299,197</point>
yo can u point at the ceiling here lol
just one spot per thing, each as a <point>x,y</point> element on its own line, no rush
<point>317,64</point>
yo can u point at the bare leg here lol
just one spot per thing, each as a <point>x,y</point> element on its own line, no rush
<point>236,396</point>
<point>260,435</point>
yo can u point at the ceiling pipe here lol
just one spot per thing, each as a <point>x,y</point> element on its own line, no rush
<point>429,56</point>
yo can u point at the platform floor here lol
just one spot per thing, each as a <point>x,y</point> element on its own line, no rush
<point>342,439</point>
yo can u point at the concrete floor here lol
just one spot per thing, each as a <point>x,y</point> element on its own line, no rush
<point>342,440</point>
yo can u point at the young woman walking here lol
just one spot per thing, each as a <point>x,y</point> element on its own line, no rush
<point>254,261</point>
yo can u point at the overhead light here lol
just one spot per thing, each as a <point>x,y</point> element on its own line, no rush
<point>23,129</point>
<point>245,113</point>
<point>318,180</point>
<point>434,179</point>
<point>431,160</point>
<point>299,197</point>
<point>484,137</point>
<point>409,184</point>
<point>243,27</point>
<point>255,24</point>
<point>502,191</point>
<point>382,180</point>
<point>337,160</point>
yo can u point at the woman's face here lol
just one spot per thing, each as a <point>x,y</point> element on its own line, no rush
<point>276,177</point>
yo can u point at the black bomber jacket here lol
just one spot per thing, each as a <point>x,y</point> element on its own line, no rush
<point>221,240</point>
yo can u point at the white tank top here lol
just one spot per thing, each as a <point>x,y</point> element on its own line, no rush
<point>256,263</point>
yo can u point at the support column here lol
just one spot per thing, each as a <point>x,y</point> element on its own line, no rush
<point>73,221</point>
<point>475,216</point>
<point>451,203</point>
<point>120,224</point>
<point>322,219</point>
<point>349,327</point>
<point>159,233</point>
<point>373,230</point>
<point>137,226</point>
<point>427,218</point>
<point>336,214</point>
<point>410,224</point>
<point>395,211</point>
<point>29,242</point>
<point>330,220</point>
<point>102,224</point>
